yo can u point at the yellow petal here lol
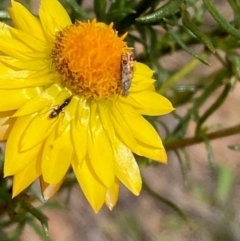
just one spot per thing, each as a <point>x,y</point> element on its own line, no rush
<point>17,49</point>
<point>106,121</point>
<point>49,190</point>
<point>157,154</point>
<point>92,188</point>
<point>140,127</point>
<point>79,131</point>
<point>61,96</point>
<point>112,195</point>
<point>35,65</point>
<point>25,21</point>
<point>126,167</point>
<point>40,101</point>
<point>24,83</point>
<point>53,17</point>
<point>6,124</point>
<point>12,78</point>
<point>140,83</point>
<point>40,47</point>
<point>25,177</point>
<point>148,103</point>
<point>57,156</point>
<point>15,160</point>
<point>143,69</point>
<point>101,161</point>
<point>13,99</point>
<point>123,132</point>
<point>37,131</point>
<point>4,30</point>
<point>149,142</point>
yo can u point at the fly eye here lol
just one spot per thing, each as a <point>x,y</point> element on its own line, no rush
<point>60,108</point>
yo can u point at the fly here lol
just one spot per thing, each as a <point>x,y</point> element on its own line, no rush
<point>60,108</point>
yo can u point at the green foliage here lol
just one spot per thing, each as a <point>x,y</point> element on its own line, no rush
<point>17,212</point>
<point>158,29</point>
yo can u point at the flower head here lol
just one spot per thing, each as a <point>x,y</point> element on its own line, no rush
<point>70,99</point>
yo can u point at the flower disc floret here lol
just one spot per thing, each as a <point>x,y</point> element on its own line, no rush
<point>87,57</point>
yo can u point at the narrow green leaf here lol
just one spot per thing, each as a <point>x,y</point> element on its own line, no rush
<point>100,9</point>
<point>153,43</point>
<point>137,39</point>
<point>122,11</point>
<point>15,234</point>
<point>4,194</point>
<point>182,165</point>
<point>168,9</point>
<point>167,202</point>
<point>219,101</point>
<point>117,15</point>
<point>210,153</point>
<point>195,30</point>
<point>221,20</point>
<point>214,83</point>
<point>16,211</point>
<point>38,230</point>
<point>187,158</point>
<point>77,9</point>
<point>117,4</point>
<point>224,182</point>
<point>235,65</point>
<point>236,9</point>
<point>39,215</point>
<point>185,47</point>
<point>53,206</point>
<point>174,79</point>
<point>235,147</point>
<point>164,126</point>
<point>181,88</point>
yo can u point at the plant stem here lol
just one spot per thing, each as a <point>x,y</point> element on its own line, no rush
<point>181,143</point>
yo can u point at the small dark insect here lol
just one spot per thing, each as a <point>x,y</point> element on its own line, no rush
<point>60,108</point>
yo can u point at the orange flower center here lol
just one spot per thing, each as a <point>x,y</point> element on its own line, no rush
<point>87,58</point>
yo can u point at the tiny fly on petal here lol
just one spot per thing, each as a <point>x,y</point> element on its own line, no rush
<point>60,108</point>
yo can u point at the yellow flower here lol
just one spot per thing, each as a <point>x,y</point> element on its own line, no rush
<point>62,105</point>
